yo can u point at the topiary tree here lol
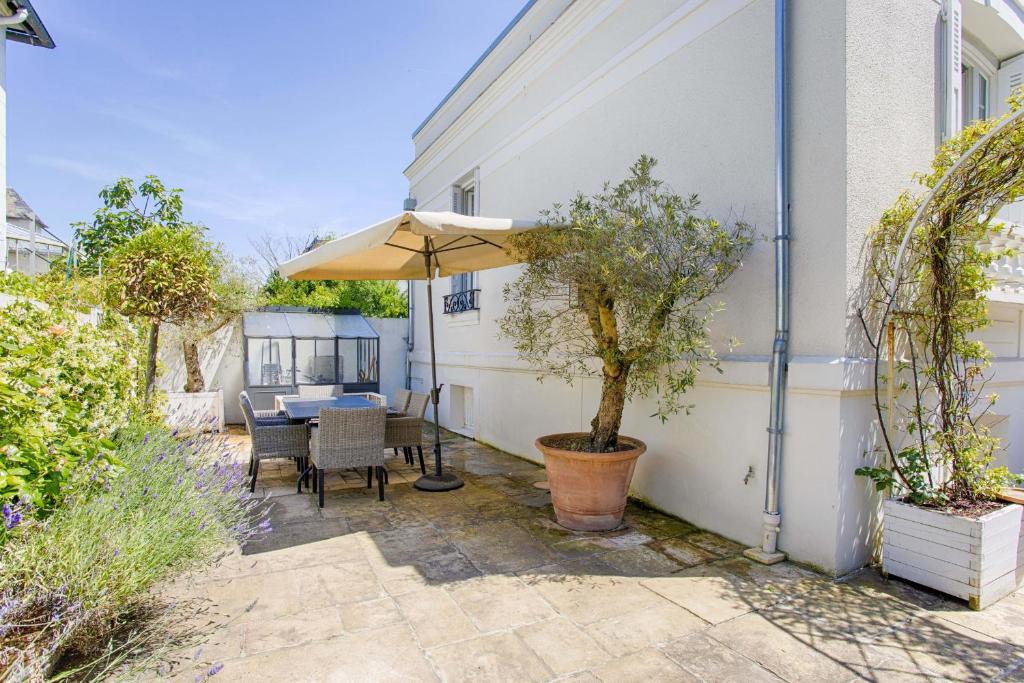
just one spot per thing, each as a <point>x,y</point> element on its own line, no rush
<point>234,294</point>
<point>926,298</point>
<point>163,274</point>
<point>126,212</point>
<point>623,282</point>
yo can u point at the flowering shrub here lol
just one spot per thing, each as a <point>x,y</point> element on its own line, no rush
<point>66,387</point>
<point>71,584</point>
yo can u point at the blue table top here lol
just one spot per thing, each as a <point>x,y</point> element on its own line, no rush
<point>310,409</point>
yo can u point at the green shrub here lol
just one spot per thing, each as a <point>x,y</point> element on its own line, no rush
<point>72,584</point>
<point>66,387</point>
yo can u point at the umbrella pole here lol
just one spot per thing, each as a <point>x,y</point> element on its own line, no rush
<point>438,481</point>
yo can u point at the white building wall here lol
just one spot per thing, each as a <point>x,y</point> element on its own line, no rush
<point>691,83</point>
<point>3,141</point>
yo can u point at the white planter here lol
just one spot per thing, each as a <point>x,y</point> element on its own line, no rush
<point>203,411</point>
<point>979,560</point>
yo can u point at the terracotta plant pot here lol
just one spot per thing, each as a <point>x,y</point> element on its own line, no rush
<point>589,490</point>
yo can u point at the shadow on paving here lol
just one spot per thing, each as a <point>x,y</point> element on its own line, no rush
<point>482,584</point>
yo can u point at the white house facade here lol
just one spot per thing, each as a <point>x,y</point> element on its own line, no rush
<point>572,92</point>
<point>20,23</point>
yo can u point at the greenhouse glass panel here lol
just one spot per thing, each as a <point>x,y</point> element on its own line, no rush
<point>315,361</point>
<point>269,362</point>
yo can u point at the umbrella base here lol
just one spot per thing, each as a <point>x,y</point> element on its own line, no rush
<point>435,482</point>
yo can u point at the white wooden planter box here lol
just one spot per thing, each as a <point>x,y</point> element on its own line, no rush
<point>203,411</point>
<point>979,560</point>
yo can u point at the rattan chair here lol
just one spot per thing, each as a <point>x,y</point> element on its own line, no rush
<point>314,391</point>
<point>401,403</point>
<point>273,441</point>
<point>347,438</point>
<point>406,431</point>
<point>262,416</point>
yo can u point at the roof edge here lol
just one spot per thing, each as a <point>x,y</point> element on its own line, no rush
<point>36,34</point>
<point>501,36</point>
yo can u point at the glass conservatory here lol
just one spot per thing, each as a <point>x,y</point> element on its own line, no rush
<point>284,347</point>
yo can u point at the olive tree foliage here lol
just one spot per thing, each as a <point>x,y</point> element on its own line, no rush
<point>937,448</point>
<point>619,285</point>
<point>127,211</point>
<point>163,275</point>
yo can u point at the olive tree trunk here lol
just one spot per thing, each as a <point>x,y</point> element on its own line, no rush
<point>194,382</point>
<point>152,350</point>
<point>604,428</point>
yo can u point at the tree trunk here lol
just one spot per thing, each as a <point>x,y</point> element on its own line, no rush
<point>194,382</point>
<point>154,345</point>
<point>604,428</point>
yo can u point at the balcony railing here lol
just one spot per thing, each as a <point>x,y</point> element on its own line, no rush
<point>460,302</point>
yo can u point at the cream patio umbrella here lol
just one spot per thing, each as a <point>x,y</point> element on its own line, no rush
<point>416,245</point>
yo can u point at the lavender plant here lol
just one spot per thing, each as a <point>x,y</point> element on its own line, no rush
<point>72,582</point>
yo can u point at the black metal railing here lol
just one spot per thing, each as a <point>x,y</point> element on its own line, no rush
<point>460,302</point>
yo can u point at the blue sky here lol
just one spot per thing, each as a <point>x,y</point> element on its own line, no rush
<point>272,117</point>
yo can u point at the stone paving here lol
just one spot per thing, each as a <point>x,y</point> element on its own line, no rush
<point>481,585</point>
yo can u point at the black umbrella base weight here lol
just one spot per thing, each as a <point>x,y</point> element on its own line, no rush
<point>438,482</point>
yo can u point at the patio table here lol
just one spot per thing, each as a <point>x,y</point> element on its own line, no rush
<point>305,410</point>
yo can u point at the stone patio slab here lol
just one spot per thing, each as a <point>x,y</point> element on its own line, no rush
<point>481,584</point>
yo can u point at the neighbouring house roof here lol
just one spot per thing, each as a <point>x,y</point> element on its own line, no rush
<point>32,31</point>
<point>19,208</point>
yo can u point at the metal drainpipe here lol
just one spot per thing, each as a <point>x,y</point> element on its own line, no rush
<point>18,17</point>
<point>768,552</point>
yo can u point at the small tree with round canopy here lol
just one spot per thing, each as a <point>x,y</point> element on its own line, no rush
<point>163,275</point>
<point>624,282</point>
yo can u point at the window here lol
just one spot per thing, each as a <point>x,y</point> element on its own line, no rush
<point>269,362</point>
<point>464,201</point>
<point>975,93</point>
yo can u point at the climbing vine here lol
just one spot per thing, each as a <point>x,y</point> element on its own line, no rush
<point>925,301</point>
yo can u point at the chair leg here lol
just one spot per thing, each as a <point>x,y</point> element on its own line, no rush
<point>380,482</point>
<point>320,483</point>
<point>396,451</point>
<point>255,473</point>
<point>386,476</point>
<point>303,476</point>
<point>369,477</point>
<point>251,459</point>
<point>308,470</point>
<point>316,477</point>
<point>408,455</point>
<point>419,451</point>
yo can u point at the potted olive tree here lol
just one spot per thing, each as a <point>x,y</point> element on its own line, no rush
<point>619,290</point>
<point>928,277</point>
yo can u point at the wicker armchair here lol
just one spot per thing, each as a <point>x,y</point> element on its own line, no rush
<point>347,438</point>
<point>315,391</point>
<point>406,431</point>
<point>273,441</point>
<point>401,403</point>
<point>262,416</point>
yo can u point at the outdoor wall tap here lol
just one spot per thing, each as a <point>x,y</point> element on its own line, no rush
<point>749,475</point>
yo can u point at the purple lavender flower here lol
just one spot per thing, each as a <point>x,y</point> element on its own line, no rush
<point>145,439</point>
<point>12,517</point>
<point>215,669</point>
<point>116,552</point>
<point>265,525</point>
<point>145,490</point>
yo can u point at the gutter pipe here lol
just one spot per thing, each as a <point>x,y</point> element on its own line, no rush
<point>19,17</point>
<point>768,552</point>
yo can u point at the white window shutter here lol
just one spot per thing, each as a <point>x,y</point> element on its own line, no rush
<point>953,49</point>
<point>1009,79</point>
<point>456,199</point>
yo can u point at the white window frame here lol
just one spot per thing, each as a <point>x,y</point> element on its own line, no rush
<point>977,69</point>
<point>465,200</point>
